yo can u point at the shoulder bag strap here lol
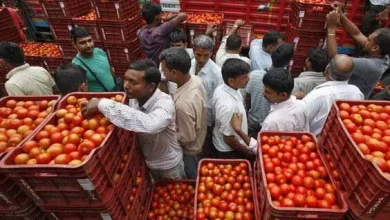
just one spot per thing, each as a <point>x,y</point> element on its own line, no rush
<point>93,74</point>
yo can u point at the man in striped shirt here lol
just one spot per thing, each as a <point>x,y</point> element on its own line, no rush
<point>152,114</point>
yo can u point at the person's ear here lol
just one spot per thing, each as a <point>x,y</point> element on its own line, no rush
<point>83,87</point>
<point>231,82</point>
<point>375,48</point>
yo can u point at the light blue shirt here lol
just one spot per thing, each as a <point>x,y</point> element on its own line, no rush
<point>259,58</point>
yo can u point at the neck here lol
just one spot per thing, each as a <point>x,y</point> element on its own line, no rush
<point>233,87</point>
<point>375,55</point>
<point>142,101</point>
<point>184,80</point>
<point>86,55</point>
<point>233,51</point>
<point>152,25</point>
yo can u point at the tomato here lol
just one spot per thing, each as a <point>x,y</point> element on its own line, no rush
<point>21,159</point>
<point>330,198</point>
<point>86,147</point>
<point>311,201</point>
<point>62,159</point>
<point>54,150</point>
<point>29,145</point>
<point>286,202</point>
<point>98,139</point>
<point>43,158</point>
<point>275,192</point>
<point>297,180</point>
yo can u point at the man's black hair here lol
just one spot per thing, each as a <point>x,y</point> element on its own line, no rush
<point>271,38</point>
<point>69,77</point>
<point>233,68</point>
<point>282,55</point>
<point>279,79</point>
<point>77,32</point>
<point>178,35</point>
<point>318,58</point>
<point>176,58</point>
<point>150,10</point>
<point>152,73</point>
<point>233,42</point>
<point>12,53</point>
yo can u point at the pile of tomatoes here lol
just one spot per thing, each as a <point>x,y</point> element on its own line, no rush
<point>208,18</point>
<point>224,192</point>
<point>18,119</point>
<point>172,201</point>
<point>41,49</point>
<point>295,174</point>
<point>369,127</point>
<point>90,16</point>
<point>68,139</point>
<point>322,2</point>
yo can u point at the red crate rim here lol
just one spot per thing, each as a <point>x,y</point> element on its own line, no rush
<point>343,209</point>
<point>312,4</point>
<point>214,13</point>
<point>5,166</point>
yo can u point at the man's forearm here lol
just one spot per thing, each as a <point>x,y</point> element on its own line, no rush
<point>331,42</point>
<point>232,142</point>
<point>349,26</point>
<point>233,30</point>
<point>244,137</point>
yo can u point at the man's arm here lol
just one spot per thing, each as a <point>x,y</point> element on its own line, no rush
<point>353,30</point>
<point>179,18</point>
<point>129,118</point>
<point>186,122</point>
<point>251,143</point>
<point>384,15</point>
<point>232,142</point>
<point>332,20</point>
<point>237,24</point>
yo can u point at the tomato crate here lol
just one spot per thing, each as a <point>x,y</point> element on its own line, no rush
<point>200,29</point>
<point>90,25</point>
<point>120,69</point>
<point>309,16</point>
<point>52,63</point>
<point>199,6</point>
<point>303,40</point>
<point>164,183</point>
<point>124,54</point>
<point>61,28</point>
<point>270,211</point>
<point>296,65</point>
<point>203,164</point>
<point>67,48</point>
<point>121,31</point>
<point>367,187</point>
<point>60,9</point>
<point>29,212</point>
<point>246,33</point>
<point>116,10</point>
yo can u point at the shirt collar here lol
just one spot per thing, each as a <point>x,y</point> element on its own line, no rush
<point>234,93</point>
<point>281,105</point>
<point>332,83</point>
<point>150,101</point>
<point>17,69</point>
<point>206,69</point>
<point>311,73</point>
<point>182,89</point>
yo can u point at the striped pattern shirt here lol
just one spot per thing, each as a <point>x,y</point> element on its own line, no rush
<point>307,81</point>
<point>155,124</point>
<point>260,107</point>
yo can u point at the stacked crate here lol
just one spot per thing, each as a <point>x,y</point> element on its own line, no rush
<point>118,22</point>
<point>307,29</point>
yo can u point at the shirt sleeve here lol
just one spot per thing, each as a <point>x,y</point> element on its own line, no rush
<point>254,54</point>
<point>14,90</point>
<point>312,106</point>
<point>249,86</point>
<point>221,50</point>
<point>270,126</point>
<point>166,28</point>
<point>134,120</point>
<point>224,115</point>
<point>186,123</point>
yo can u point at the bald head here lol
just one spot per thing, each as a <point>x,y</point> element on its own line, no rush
<point>340,68</point>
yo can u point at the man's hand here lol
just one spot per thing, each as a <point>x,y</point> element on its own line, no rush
<point>210,29</point>
<point>88,109</point>
<point>337,6</point>
<point>333,19</point>
<point>239,22</point>
<point>236,121</point>
<point>384,15</point>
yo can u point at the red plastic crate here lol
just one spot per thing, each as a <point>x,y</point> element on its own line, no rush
<point>272,212</point>
<point>366,186</point>
<point>303,40</point>
<point>200,29</point>
<point>51,185</point>
<point>52,63</point>
<point>123,54</point>
<point>90,25</point>
<point>120,69</point>
<point>199,6</point>
<point>28,212</point>
<point>61,28</point>
<point>246,33</point>
<point>119,32</point>
<point>67,48</point>
<point>116,10</point>
<point>225,161</point>
<point>164,183</point>
<point>309,16</point>
<point>60,9</point>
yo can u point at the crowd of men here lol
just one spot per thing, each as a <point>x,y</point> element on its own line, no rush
<point>186,106</point>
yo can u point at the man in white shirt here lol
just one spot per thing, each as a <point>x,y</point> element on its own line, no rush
<point>23,79</point>
<point>190,103</point>
<point>320,99</point>
<point>231,46</point>
<point>315,64</point>
<point>227,100</point>
<point>210,74</point>
<point>257,104</point>
<point>177,38</point>
<point>287,113</point>
<point>261,49</point>
<point>151,113</point>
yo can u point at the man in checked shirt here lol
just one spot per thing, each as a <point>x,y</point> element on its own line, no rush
<point>151,113</point>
